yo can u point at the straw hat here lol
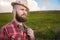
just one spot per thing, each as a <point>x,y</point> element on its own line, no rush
<point>20,2</point>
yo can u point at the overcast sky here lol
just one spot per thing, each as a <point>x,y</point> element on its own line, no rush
<point>34,5</point>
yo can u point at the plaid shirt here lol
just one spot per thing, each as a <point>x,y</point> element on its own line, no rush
<point>12,32</point>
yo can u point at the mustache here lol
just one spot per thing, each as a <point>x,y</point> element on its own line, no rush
<point>23,14</point>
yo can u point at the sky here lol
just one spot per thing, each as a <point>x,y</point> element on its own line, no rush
<point>34,5</point>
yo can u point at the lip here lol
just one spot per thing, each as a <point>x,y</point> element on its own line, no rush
<point>23,16</point>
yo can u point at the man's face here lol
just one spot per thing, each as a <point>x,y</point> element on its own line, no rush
<point>21,13</point>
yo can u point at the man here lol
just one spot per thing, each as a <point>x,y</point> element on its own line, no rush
<point>17,30</point>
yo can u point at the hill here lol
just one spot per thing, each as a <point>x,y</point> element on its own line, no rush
<point>47,23</point>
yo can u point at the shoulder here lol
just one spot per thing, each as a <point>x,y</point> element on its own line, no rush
<point>8,28</point>
<point>6,25</point>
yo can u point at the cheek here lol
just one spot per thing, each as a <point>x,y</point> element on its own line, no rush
<point>20,12</point>
<point>26,13</point>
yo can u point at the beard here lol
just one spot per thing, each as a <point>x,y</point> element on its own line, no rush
<point>19,18</point>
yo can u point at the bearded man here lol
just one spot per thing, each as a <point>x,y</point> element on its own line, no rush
<point>17,30</point>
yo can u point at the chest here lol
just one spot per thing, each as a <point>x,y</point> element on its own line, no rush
<point>16,32</point>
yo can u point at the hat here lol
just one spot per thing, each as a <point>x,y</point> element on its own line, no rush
<point>20,2</point>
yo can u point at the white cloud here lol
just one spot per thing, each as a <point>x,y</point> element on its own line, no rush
<point>48,5</point>
<point>43,8</point>
<point>33,6</point>
<point>5,6</point>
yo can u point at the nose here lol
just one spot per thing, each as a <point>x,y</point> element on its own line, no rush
<point>25,12</point>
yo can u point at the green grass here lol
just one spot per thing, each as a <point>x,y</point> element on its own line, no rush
<point>46,23</point>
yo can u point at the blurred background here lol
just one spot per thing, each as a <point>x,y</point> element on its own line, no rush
<point>43,18</point>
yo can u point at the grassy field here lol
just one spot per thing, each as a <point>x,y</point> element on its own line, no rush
<point>45,23</point>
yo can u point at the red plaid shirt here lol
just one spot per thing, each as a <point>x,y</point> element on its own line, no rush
<point>12,32</point>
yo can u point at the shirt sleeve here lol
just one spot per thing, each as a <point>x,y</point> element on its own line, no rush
<point>3,35</point>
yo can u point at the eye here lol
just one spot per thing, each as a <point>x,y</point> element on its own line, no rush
<point>26,10</point>
<point>21,9</point>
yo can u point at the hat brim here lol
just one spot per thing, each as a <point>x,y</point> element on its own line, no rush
<point>13,3</point>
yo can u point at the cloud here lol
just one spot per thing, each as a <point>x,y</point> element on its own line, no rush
<point>50,5</point>
<point>43,8</point>
<point>46,4</point>
<point>5,6</point>
<point>33,6</point>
